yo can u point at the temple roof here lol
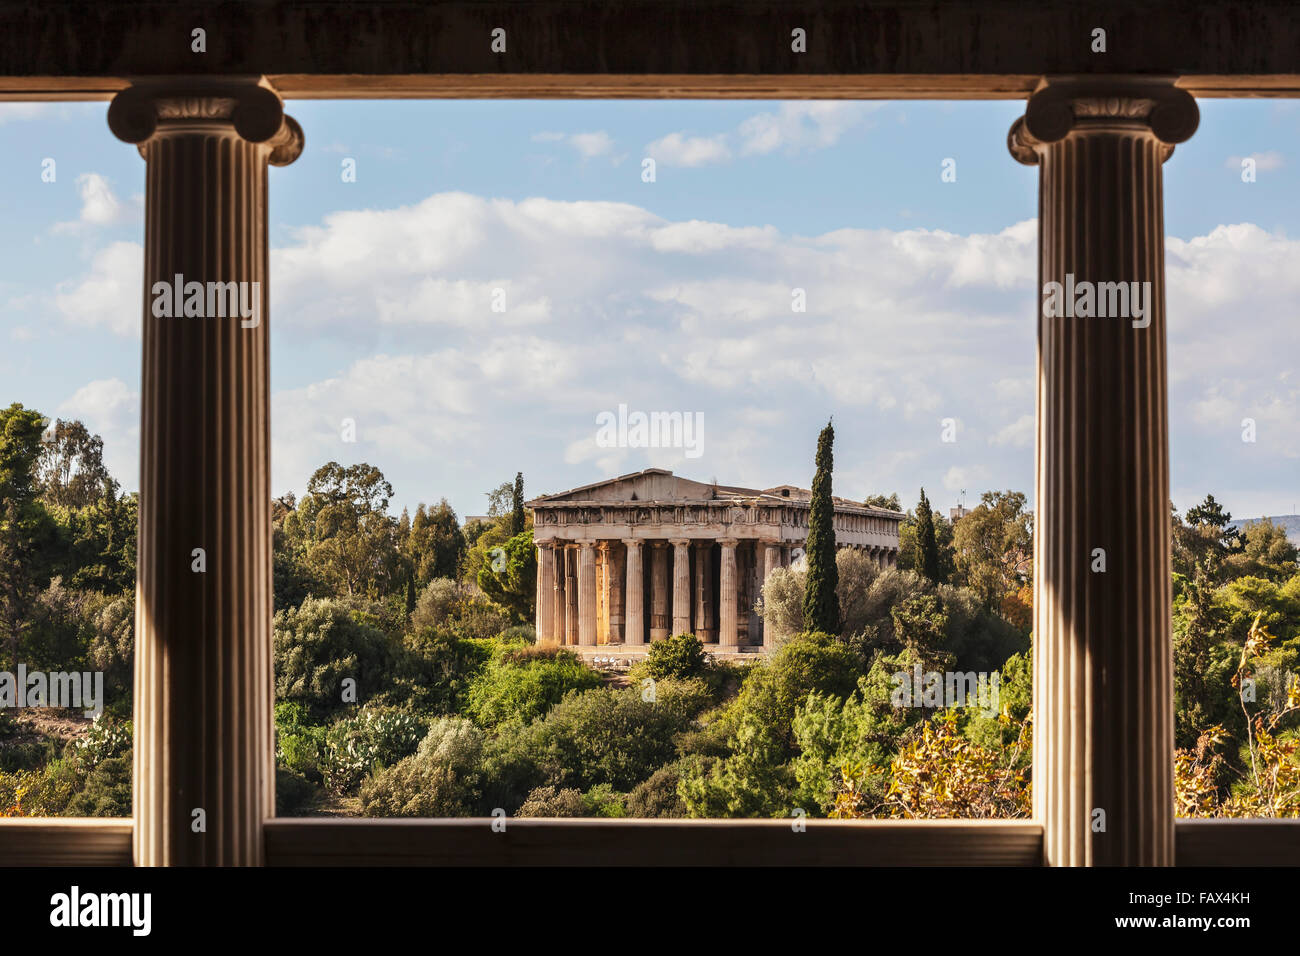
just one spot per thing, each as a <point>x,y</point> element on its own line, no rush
<point>662,486</point>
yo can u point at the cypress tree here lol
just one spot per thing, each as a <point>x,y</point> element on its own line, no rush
<point>517,515</point>
<point>927,549</point>
<point>821,604</point>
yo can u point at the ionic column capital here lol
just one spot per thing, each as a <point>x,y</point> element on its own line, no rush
<point>243,107</point>
<point>1062,106</point>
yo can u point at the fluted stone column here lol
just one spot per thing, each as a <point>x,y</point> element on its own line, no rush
<point>555,555</point>
<point>704,628</point>
<point>1103,690</point>
<point>771,561</point>
<point>616,579</point>
<point>635,594</point>
<point>587,593</point>
<point>204,774</point>
<point>571,594</point>
<point>728,629</point>
<point>658,590</point>
<point>545,593</point>
<point>681,585</point>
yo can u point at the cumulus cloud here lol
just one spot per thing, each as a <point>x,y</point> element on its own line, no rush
<point>99,206</point>
<point>588,145</point>
<point>608,303</point>
<point>110,294</point>
<point>111,409</point>
<point>1018,434</point>
<point>677,149</point>
<point>791,128</point>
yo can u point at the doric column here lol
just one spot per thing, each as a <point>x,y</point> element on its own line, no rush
<point>587,593</point>
<point>658,590</point>
<point>771,561</point>
<point>616,558</point>
<point>545,592</point>
<point>704,628</point>
<point>570,594</point>
<point>1103,690</point>
<point>204,774</point>
<point>681,585</point>
<point>555,556</point>
<point>728,633</point>
<point>634,632</point>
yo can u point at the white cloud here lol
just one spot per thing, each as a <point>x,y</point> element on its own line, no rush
<point>109,296</point>
<point>676,149</point>
<point>609,303</point>
<point>588,145</point>
<point>794,127</point>
<point>1018,434</point>
<point>1264,162</point>
<point>800,126</point>
<point>16,112</point>
<point>111,409</point>
<point>99,207</point>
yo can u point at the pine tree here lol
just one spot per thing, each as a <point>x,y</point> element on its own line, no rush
<point>821,604</point>
<point>517,516</point>
<point>927,549</point>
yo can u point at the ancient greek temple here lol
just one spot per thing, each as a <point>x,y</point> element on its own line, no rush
<point>634,559</point>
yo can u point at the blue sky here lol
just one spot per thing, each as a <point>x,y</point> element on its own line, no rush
<point>666,296</point>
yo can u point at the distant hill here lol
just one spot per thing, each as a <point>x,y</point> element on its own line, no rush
<point>1289,523</point>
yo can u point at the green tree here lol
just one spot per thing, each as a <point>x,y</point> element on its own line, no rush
<point>517,505</point>
<point>435,544</point>
<point>321,643</point>
<point>20,449</point>
<point>350,539</point>
<point>1266,553</point>
<point>995,546</point>
<point>70,470</point>
<point>889,502</point>
<point>927,549</point>
<point>821,606</point>
<point>508,577</point>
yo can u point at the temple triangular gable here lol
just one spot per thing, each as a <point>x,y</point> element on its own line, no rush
<point>653,484</point>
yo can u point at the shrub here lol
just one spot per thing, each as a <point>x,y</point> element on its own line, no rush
<point>781,606</point>
<point>435,670</point>
<point>375,738</point>
<point>435,605</point>
<point>549,802</point>
<point>299,743</point>
<point>106,738</point>
<point>603,800</point>
<point>294,793</point>
<point>523,683</point>
<point>678,658</point>
<point>319,644</point>
<point>613,736</point>
<point>107,791</point>
<point>441,779</point>
<point>657,796</point>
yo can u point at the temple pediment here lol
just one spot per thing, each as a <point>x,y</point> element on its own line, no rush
<point>650,485</point>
